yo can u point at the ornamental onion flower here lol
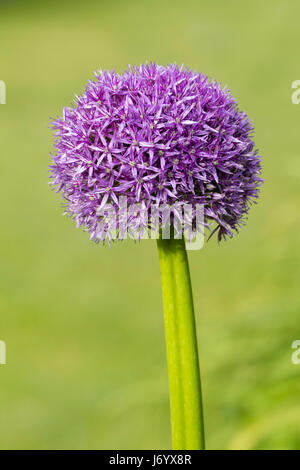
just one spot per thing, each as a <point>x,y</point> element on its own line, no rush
<point>155,135</point>
<point>159,135</point>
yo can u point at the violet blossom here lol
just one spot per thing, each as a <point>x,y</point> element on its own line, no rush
<point>155,135</point>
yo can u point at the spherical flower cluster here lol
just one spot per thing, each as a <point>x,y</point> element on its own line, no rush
<point>155,135</point>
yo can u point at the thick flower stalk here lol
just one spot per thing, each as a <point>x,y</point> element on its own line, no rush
<point>158,136</point>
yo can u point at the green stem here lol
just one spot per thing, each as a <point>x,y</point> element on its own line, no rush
<point>181,340</point>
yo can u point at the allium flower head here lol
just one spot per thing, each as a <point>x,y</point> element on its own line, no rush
<point>156,135</point>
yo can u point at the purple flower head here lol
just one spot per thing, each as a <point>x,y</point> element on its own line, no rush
<point>155,135</point>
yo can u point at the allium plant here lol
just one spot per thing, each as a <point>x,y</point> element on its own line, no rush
<point>158,136</point>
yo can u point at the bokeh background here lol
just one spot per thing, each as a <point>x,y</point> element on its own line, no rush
<point>83,324</point>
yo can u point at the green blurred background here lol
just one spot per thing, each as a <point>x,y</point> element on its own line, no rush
<point>83,324</point>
